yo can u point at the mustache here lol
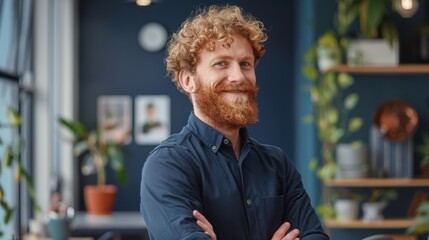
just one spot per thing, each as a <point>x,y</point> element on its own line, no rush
<point>233,87</point>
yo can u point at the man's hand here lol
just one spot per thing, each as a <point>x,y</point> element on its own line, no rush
<point>280,234</point>
<point>204,224</point>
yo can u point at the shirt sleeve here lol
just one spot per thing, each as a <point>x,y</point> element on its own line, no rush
<point>169,193</point>
<point>299,211</point>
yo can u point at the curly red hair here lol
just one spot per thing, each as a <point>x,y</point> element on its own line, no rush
<point>203,29</point>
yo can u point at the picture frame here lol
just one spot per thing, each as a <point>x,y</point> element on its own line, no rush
<point>152,119</point>
<point>114,115</point>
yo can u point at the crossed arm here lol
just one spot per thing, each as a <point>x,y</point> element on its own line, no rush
<point>280,234</point>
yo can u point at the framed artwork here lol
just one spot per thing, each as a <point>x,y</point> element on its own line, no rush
<point>114,115</point>
<point>152,119</point>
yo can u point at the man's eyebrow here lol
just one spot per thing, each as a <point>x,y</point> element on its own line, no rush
<point>225,56</point>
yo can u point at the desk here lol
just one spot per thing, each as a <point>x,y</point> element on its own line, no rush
<point>119,223</point>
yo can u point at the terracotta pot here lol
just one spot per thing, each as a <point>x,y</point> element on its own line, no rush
<point>99,199</point>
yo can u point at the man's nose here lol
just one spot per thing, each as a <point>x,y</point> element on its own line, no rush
<point>235,73</point>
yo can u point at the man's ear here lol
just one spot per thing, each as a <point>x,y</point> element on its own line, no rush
<point>187,81</point>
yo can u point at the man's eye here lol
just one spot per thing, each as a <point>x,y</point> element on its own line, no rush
<point>246,64</point>
<point>220,64</point>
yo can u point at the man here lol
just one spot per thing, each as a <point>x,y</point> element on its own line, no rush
<point>212,181</point>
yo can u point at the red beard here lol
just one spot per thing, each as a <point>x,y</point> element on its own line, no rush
<point>223,113</point>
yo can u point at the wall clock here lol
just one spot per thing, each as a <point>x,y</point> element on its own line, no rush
<point>152,37</point>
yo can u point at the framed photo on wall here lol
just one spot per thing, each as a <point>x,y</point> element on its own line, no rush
<point>152,119</point>
<point>114,115</point>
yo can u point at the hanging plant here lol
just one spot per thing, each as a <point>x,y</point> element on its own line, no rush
<point>12,160</point>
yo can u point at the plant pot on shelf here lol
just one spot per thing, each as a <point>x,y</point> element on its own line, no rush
<point>99,199</point>
<point>351,160</point>
<point>372,211</point>
<point>327,58</point>
<point>372,52</point>
<point>346,209</point>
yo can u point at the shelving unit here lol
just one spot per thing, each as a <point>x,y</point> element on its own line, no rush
<point>359,224</point>
<point>378,182</point>
<point>400,223</point>
<point>400,69</point>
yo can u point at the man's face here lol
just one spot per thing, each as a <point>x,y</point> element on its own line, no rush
<point>226,84</point>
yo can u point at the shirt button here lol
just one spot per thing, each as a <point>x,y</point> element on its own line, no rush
<point>249,201</point>
<point>225,141</point>
<point>213,147</point>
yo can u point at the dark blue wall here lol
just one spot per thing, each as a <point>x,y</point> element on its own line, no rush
<point>112,63</point>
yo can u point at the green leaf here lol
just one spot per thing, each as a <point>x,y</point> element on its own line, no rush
<point>345,80</point>
<point>336,135</point>
<point>76,128</point>
<point>347,13</point>
<point>8,216</point>
<point>389,32</point>
<point>333,115</point>
<point>314,164</point>
<point>326,211</point>
<point>13,117</point>
<point>122,175</point>
<point>371,14</point>
<point>354,124</point>
<point>30,188</point>
<point>1,193</point>
<point>7,156</point>
<point>328,40</point>
<point>327,171</point>
<point>356,144</point>
<point>351,101</point>
<point>7,211</point>
<point>310,72</point>
<point>310,54</point>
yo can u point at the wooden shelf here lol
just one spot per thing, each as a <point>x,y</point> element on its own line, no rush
<point>378,182</point>
<point>387,223</point>
<point>400,69</point>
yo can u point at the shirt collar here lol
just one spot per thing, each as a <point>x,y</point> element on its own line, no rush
<point>208,135</point>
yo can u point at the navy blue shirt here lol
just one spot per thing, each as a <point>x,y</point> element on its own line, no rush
<point>245,198</point>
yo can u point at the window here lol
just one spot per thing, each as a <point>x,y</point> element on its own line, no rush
<point>15,69</point>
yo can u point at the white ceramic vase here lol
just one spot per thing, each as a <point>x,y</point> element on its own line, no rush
<point>327,58</point>
<point>346,209</point>
<point>372,211</point>
<point>352,161</point>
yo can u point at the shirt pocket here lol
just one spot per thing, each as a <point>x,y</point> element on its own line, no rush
<point>273,211</point>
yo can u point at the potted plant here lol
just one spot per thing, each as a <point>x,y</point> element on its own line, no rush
<point>328,51</point>
<point>346,204</point>
<point>374,205</point>
<point>377,41</point>
<point>12,160</point>
<point>98,152</point>
<point>373,17</point>
<point>423,150</point>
